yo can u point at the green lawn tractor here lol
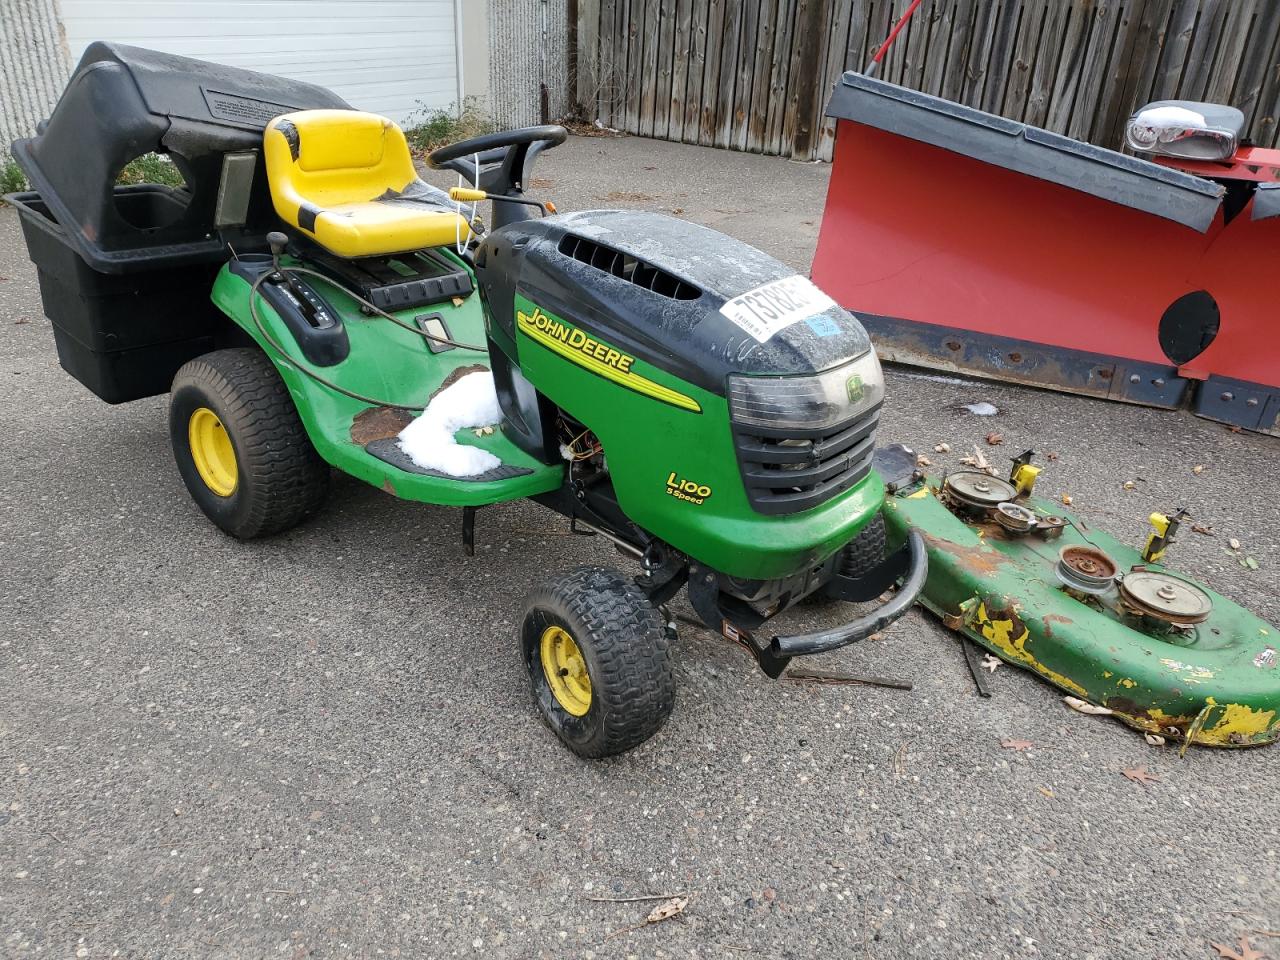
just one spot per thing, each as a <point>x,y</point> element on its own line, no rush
<point>306,296</point>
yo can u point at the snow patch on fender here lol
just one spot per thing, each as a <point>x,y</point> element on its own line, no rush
<point>429,440</point>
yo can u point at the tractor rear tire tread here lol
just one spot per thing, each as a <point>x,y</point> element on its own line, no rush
<point>282,479</point>
<point>625,642</point>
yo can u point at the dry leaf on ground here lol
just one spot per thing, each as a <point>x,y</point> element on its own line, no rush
<point>990,663</point>
<point>994,438</point>
<point>1198,469</point>
<point>1205,529</point>
<point>1018,745</point>
<point>978,460</point>
<point>663,911</point>
<point>1233,543</point>
<point>942,448</point>
<point>1246,951</point>
<point>923,461</point>
<point>1051,456</point>
<point>1066,499</point>
<point>1140,775</point>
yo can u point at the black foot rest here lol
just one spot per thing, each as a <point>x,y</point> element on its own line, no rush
<point>388,451</point>
<point>401,281</point>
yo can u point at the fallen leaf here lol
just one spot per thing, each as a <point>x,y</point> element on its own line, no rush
<point>1233,543</point>
<point>979,460</point>
<point>663,911</point>
<point>994,438</point>
<point>457,301</point>
<point>942,448</point>
<point>1154,739</point>
<point>677,210</point>
<point>1206,529</point>
<point>1051,456</point>
<point>1128,485</point>
<point>20,321</point>
<point>1140,775</point>
<point>1084,706</point>
<point>923,461</point>
<point>1066,499</point>
<point>1246,951</point>
<point>1250,563</point>
<point>1198,469</point>
<point>990,663</point>
<point>1018,745</point>
<point>1046,791</point>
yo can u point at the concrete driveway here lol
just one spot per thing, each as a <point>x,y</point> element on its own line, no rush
<point>323,744</point>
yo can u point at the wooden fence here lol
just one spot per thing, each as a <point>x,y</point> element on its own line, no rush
<point>755,74</point>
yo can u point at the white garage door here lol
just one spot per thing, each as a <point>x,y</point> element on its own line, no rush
<point>394,57</point>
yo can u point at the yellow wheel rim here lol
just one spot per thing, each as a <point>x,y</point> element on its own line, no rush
<point>211,449</point>
<point>566,671</point>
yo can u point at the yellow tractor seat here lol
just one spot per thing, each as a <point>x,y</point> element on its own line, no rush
<point>346,179</point>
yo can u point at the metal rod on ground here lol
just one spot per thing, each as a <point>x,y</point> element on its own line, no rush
<point>821,676</point>
<point>975,668</point>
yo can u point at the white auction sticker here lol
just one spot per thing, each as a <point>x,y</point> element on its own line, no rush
<point>764,311</point>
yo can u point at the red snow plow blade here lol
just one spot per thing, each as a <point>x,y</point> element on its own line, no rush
<point>972,243</point>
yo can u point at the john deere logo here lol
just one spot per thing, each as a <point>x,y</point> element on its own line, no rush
<point>854,386</point>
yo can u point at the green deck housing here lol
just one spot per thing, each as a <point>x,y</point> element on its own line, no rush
<point>1216,685</point>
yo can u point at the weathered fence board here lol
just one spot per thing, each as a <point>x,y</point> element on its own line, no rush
<point>755,74</point>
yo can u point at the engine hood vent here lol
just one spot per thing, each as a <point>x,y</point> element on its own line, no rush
<point>626,267</point>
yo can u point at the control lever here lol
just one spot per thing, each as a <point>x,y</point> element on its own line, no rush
<point>311,307</point>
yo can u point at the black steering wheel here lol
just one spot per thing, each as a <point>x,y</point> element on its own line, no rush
<point>501,162</point>
<point>552,134</point>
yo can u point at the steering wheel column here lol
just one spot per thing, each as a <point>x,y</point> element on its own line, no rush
<point>501,164</point>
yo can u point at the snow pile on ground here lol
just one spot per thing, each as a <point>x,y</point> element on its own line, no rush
<point>429,441</point>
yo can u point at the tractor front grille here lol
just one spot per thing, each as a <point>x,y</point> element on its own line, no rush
<point>789,469</point>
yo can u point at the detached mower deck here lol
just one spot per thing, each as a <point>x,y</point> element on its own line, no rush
<point>1214,681</point>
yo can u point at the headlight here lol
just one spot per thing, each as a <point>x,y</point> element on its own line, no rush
<point>816,402</point>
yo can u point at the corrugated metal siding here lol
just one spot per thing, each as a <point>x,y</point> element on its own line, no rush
<point>528,46</point>
<point>394,57</point>
<point>34,67</point>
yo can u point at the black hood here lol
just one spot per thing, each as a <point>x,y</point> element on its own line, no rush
<point>658,287</point>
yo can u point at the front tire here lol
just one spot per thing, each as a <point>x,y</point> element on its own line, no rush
<point>240,447</point>
<point>599,661</point>
<point>857,558</point>
<point>866,551</point>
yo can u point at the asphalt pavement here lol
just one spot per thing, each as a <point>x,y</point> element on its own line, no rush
<point>323,744</point>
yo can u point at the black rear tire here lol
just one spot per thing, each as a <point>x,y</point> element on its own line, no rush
<point>273,479</point>
<point>624,652</point>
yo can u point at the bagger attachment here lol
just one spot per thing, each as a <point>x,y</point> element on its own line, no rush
<point>968,242</point>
